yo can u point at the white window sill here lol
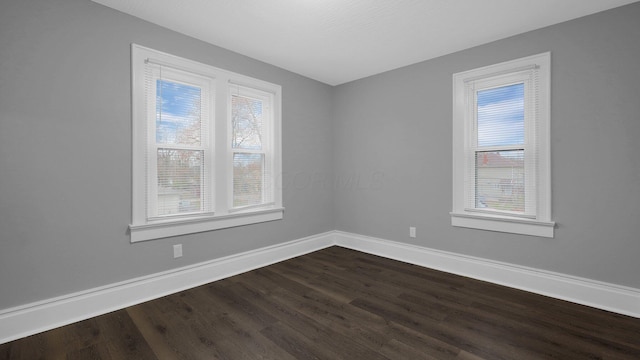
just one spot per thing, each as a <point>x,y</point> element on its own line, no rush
<point>174,227</point>
<point>503,224</point>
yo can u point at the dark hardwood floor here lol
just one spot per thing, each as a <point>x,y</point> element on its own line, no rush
<point>342,304</point>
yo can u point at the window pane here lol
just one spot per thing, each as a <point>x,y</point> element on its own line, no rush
<point>501,116</point>
<point>178,118</point>
<point>500,180</point>
<point>248,172</point>
<point>247,122</point>
<point>179,181</point>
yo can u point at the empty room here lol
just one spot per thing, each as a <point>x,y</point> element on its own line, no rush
<point>319,179</point>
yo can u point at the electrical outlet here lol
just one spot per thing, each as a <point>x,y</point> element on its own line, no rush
<point>412,231</point>
<point>177,251</point>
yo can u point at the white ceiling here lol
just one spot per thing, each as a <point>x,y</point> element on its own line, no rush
<point>337,41</point>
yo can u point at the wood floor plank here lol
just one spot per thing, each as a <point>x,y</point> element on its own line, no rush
<point>524,340</point>
<point>296,344</point>
<point>422,342</point>
<point>241,322</point>
<point>93,352</point>
<point>109,336</point>
<point>467,356</point>
<point>395,349</point>
<point>187,334</point>
<point>289,311</point>
<point>338,303</point>
<point>177,336</point>
<point>121,338</point>
<point>359,326</point>
<point>153,333</point>
<point>545,333</point>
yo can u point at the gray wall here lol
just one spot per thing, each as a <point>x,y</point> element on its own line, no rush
<point>65,151</point>
<point>398,124</point>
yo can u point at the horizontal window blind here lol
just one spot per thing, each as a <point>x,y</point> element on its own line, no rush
<point>500,116</point>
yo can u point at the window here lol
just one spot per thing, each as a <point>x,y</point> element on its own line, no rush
<point>501,157</point>
<point>206,147</point>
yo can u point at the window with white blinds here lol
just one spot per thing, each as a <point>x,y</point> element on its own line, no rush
<point>206,147</point>
<point>501,147</point>
<point>180,152</point>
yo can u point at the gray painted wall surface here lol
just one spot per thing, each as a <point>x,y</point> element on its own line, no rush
<point>65,151</point>
<point>398,124</point>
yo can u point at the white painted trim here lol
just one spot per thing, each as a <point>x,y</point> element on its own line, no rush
<point>174,227</point>
<point>29,319</point>
<point>45,315</point>
<point>144,222</point>
<point>504,224</point>
<point>537,142</point>
<point>597,294</point>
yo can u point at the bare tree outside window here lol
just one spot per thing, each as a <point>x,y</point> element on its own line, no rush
<point>248,162</point>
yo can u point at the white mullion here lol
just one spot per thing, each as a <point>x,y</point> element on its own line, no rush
<point>209,142</point>
<point>221,137</point>
<point>233,90</point>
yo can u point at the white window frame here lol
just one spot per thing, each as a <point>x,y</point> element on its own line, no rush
<point>207,86</point>
<point>267,181</point>
<point>536,219</point>
<point>146,225</point>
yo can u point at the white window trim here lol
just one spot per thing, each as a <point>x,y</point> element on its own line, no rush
<point>143,227</point>
<point>267,98</point>
<point>539,223</point>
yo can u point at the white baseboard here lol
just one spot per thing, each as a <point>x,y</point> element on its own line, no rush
<point>44,315</point>
<point>597,294</point>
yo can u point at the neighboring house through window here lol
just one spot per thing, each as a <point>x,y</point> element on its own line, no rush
<point>206,147</point>
<point>501,169</point>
